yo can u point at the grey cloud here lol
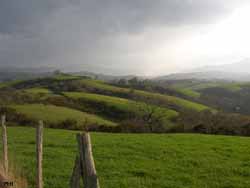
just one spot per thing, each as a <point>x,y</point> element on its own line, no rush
<point>68,32</point>
<point>17,16</point>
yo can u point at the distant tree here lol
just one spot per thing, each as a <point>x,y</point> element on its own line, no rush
<point>152,115</point>
<point>133,81</point>
<point>57,72</point>
<point>122,81</point>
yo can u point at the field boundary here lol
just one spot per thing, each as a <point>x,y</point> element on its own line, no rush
<point>84,166</point>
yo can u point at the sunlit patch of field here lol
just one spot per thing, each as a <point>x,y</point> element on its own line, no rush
<point>165,99</point>
<point>56,114</point>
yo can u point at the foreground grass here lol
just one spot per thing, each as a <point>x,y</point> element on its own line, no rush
<point>139,160</point>
<point>59,153</point>
<point>56,114</point>
<point>172,161</point>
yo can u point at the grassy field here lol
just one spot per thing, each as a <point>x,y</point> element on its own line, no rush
<point>108,89</point>
<point>188,92</point>
<point>193,89</point>
<point>138,160</point>
<point>165,99</point>
<point>199,86</point>
<point>37,90</point>
<point>174,100</point>
<point>55,114</point>
<point>65,77</point>
<point>178,160</point>
<point>59,153</point>
<point>119,103</point>
<point>234,87</point>
<point>10,83</point>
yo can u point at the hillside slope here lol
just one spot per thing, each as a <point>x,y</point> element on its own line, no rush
<point>67,95</point>
<point>144,95</point>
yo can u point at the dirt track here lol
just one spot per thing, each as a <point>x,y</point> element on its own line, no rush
<point>2,180</point>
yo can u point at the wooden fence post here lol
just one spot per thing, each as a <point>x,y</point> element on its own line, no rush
<point>39,154</point>
<point>76,175</point>
<point>5,145</point>
<point>84,164</point>
<point>81,150</point>
<point>89,165</point>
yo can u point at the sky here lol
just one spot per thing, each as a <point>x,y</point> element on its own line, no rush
<point>141,37</point>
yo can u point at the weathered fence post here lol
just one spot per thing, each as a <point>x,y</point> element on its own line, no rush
<point>5,145</point>
<point>81,150</point>
<point>92,179</point>
<point>76,175</point>
<point>39,154</point>
<point>87,164</point>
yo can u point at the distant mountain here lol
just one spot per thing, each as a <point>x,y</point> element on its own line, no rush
<point>210,75</point>
<point>242,67</point>
<point>26,69</point>
<point>15,73</point>
<point>230,72</point>
<point>105,77</point>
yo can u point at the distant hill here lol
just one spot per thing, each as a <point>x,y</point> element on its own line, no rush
<point>15,73</point>
<point>239,71</point>
<point>210,75</point>
<point>242,67</point>
<point>26,69</point>
<point>24,73</point>
<point>106,77</point>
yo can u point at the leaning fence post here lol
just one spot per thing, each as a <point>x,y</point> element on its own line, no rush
<point>5,145</point>
<point>75,178</point>
<point>90,164</point>
<point>81,150</point>
<point>39,154</point>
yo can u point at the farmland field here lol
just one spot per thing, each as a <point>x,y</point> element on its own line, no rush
<point>188,92</point>
<point>10,83</point>
<point>38,91</point>
<point>138,160</point>
<point>165,99</point>
<point>56,114</point>
<point>119,103</point>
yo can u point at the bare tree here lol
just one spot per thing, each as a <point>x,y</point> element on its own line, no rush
<point>152,115</point>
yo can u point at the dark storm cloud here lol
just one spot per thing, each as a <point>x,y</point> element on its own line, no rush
<point>78,32</point>
<point>18,16</point>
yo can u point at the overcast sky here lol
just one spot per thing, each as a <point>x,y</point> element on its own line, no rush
<point>143,37</point>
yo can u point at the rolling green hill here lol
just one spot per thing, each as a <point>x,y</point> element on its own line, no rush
<point>138,160</point>
<point>56,115</point>
<point>38,90</point>
<point>60,83</point>
<point>194,88</point>
<point>75,97</point>
<point>123,105</point>
<point>9,84</point>
<point>144,95</point>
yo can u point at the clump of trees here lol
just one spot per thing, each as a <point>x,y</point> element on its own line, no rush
<point>214,123</point>
<point>228,100</point>
<point>205,122</point>
<point>150,86</point>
